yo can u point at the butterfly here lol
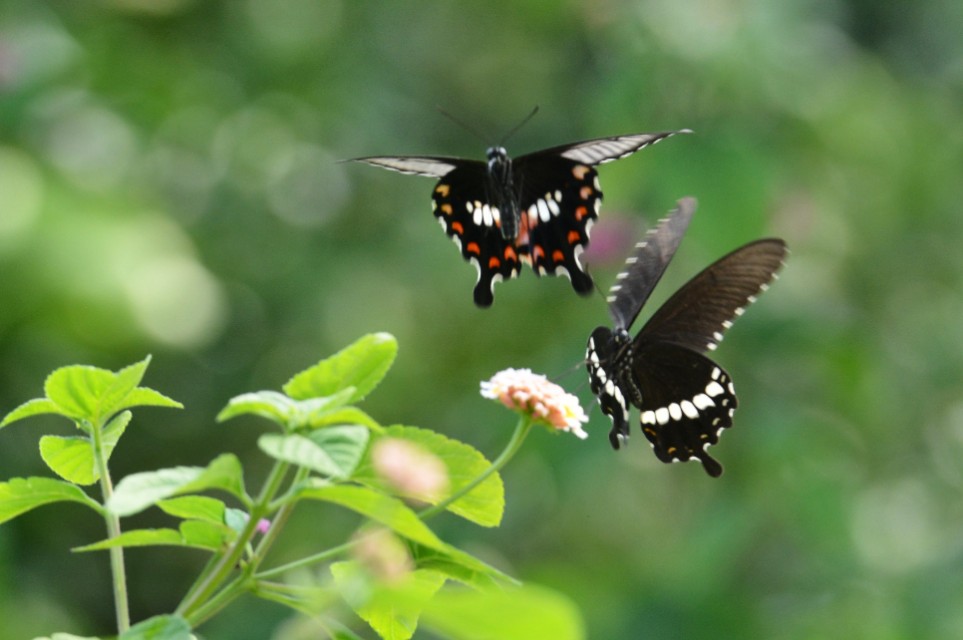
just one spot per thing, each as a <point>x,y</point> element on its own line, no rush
<point>685,398</point>
<point>536,209</point>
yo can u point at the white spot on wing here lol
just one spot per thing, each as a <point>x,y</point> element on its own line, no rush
<point>714,389</point>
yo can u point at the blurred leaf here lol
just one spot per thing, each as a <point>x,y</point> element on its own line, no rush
<point>389,511</point>
<point>72,458</point>
<point>20,495</point>
<point>483,505</point>
<point>391,610</point>
<point>361,365</point>
<point>35,407</point>
<point>138,491</point>
<point>164,627</point>
<point>521,613</point>
<point>194,508</point>
<point>344,415</point>
<point>67,636</point>
<point>333,452</point>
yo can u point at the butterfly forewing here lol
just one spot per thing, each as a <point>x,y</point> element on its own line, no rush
<point>699,313</point>
<point>644,268</point>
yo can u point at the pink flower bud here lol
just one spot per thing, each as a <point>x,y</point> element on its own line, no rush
<point>413,471</point>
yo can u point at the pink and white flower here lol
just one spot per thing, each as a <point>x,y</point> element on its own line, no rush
<point>531,393</point>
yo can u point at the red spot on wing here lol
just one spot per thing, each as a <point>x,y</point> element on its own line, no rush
<point>537,252</point>
<point>574,237</point>
<point>510,255</point>
<point>472,247</point>
<point>580,212</point>
<point>457,228</point>
<point>558,256</point>
<point>494,263</point>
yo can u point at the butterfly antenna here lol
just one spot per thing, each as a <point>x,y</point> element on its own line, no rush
<point>519,126</point>
<point>484,139</point>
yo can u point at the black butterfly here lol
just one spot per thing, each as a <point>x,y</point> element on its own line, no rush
<point>686,399</point>
<point>537,208</point>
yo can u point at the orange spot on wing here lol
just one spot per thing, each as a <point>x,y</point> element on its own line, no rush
<point>494,263</point>
<point>510,254</point>
<point>574,237</point>
<point>457,228</point>
<point>580,170</point>
<point>537,252</point>
<point>446,209</point>
<point>472,247</point>
<point>586,192</point>
<point>558,256</point>
<point>442,190</point>
<point>580,212</point>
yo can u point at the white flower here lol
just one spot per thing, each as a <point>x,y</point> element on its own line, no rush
<point>533,394</point>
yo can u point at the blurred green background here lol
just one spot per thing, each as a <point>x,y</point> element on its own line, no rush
<point>169,185</point>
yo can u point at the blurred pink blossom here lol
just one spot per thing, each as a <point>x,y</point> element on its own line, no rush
<point>412,470</point>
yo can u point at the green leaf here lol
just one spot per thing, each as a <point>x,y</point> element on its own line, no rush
<point>389,511</point>
<point>164,627</point>
<point>72,458</point>
<point>138,491</point>
<point>289,414</point>
<point>344,415</point>
<point>192,533</point>
<point>391,611</point>
<point>333,452</point>
<point>523,613</point>
<point>195,508</point>
<point>147,397</point>
<point>20,495</point>
<point>484,505</point>
<point>35,407</point>
<point>361,365</point>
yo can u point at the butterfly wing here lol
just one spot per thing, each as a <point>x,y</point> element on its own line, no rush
<point>462,203</point>
<point>644,268</point>
<point>700,312</point>
<point>687,400</point>
<point>559,198</point>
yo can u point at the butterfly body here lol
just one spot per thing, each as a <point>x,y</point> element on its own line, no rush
<point>536,209</point>
<point>685,399</point>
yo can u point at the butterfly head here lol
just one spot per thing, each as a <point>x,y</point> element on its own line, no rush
<point>499,164</point>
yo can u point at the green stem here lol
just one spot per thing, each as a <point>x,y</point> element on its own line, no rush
<point>210,583</point>
<point>117,570</point>
<point>518,437</point>
<point>333,552</point>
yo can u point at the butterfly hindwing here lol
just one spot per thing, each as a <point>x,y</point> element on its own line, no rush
<point>462,203</point>
<point>687,400</point>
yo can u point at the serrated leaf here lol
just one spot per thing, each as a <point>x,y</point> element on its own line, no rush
<point>163,627</point>
<point>20,495</point>
<point>35,407</point>
<point>523,613</point>
<point>147,397</point>
<point>333,452</point>
<point>393,611</point>
<point>483,505</point>
<point>195,508</point>
<point>91,394</point>
<point>72,458</point>
<point>191,533</point>
<point>361,365</point>
<point>138,491</point>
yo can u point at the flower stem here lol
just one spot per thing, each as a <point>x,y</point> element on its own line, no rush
<point>518,437</point>
<point>117,570</point>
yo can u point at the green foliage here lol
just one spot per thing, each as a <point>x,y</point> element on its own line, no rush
<point>321,454</point>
